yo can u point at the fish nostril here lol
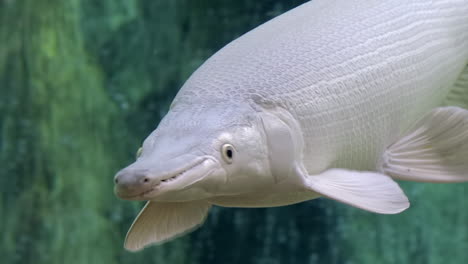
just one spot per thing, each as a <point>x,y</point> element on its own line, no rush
<point>117,178</point>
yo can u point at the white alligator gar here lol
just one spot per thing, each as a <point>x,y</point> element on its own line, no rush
<point>335,98</point>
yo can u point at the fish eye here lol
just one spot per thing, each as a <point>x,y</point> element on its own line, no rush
<point>227,151</point>
<point>138,153</point>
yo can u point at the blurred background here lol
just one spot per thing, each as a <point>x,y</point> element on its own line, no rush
<point>83,82</point>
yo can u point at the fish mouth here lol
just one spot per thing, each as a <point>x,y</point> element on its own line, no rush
<point>175,180</point>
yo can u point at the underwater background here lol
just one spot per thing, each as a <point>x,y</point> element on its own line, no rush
<point>83,82</point>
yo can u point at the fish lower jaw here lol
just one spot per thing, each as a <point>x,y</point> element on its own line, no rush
<point>147,194</point>
<point>138,197</point>
<point>171,182</point>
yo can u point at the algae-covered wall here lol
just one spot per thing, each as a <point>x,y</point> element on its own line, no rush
<point>82,82</point>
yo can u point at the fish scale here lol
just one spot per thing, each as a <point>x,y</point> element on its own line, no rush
<point>390,43</point>
<point>335,98</point>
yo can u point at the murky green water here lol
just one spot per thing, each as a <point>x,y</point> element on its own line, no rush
<point>82,82</point>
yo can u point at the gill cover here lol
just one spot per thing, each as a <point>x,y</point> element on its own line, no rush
<point>283,141</point>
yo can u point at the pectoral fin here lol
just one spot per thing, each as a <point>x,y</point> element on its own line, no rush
<point>370,191</point>
<point>434,150</point>
<point>160,221</point>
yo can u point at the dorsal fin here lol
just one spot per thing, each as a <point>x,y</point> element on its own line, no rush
<point>435,149</point>
<point>458,95</point>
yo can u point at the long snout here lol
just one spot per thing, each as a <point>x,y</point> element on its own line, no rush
<point>133,182</point>
<point>145,179</point>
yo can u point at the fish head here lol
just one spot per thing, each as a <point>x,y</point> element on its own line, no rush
<point>197,154</point>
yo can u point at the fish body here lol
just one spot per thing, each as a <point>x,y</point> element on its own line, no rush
<point>354,74</point>
<point>332,98</point>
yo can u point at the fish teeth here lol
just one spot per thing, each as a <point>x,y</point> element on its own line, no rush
<point>180,173</point>
<point>173,177</point>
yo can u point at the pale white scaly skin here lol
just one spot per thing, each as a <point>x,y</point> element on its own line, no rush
<point>321,100</point>
<point>355,74</point>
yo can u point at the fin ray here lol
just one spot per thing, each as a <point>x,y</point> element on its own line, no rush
<point>369,191</point>
<point>161,221</point>
<point>458,95</point>
<point>434,150</point>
